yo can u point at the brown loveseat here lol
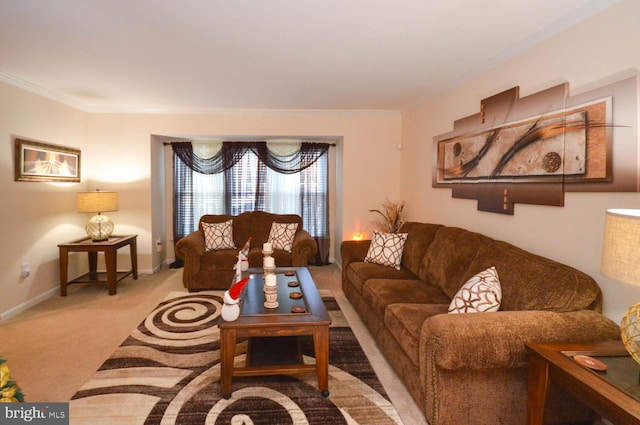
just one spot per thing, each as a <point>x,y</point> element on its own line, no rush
<point>471,368</point>
<point>215,269</point>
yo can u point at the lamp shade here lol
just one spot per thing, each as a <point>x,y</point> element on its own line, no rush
<point>621,246</point>
<point>95,202</point>
<point>621,261</point>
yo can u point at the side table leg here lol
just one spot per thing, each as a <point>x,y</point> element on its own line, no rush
<point>321,347</point>
<point>537,389</point>
<point>110,255</point>
<point>93,265</point>
<point>134,258</point>
<point>227,354</point>
<point>64,265</point>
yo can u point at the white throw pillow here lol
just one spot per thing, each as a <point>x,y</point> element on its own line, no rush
<point>281,235</point>
<point>386,249</point>
<point>218,235</point>
<point>481,293</point>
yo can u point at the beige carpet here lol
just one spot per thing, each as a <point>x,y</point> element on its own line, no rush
<point>56,346</point>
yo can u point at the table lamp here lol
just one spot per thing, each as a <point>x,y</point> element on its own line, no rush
<point>621,261</point>
<point>99,227</point>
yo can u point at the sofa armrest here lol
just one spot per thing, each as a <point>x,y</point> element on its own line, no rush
<point>304,249</point>
<point>497,340</point>
<point>353,251</point>
<point>191,249</point>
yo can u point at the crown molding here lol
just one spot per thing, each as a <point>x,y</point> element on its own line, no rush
<point>49,94</point>
<point>74,103</point>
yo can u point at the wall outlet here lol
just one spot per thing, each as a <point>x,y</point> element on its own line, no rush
<point>159,247</point>
<point>25,270</point>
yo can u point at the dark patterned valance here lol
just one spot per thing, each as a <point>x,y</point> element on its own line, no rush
<point>232,152</point>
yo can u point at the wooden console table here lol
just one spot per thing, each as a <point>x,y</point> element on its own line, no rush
<point>613,394</point>
<point>110,249</point>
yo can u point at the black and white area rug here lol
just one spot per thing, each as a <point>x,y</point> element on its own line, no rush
<point>168,371</point>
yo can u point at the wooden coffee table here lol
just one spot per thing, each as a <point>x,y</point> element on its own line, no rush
<point>613,394</point>
<point>257,321</point>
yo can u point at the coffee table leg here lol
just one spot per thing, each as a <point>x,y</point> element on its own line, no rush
<point>537,389</point>
<point>321,346</point>
<point>227,354</point>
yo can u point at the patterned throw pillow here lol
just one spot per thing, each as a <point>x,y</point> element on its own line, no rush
<point>281,235</point>
<point>481,293</point>
<point>386,249</point>
<point>218,235</point>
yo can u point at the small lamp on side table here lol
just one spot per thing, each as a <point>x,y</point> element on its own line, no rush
<point>99,227</point>
<point>621,261</point>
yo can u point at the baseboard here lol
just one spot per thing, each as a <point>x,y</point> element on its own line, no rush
<point>13,312</point>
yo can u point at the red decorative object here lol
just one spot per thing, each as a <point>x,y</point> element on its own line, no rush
<point>236,289</point>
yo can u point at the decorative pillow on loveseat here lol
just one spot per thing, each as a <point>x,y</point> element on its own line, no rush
<point>386,249</point>
<point>481,293</point>
<point>218,235</point>
<point>282,235</point>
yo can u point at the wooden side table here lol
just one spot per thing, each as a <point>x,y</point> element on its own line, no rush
<point>612,394</point>
<point>110,249</point>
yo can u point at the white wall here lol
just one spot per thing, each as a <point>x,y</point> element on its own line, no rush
<point>120,159</point>
<point>36,217</point>
<point>121,152</point>
<point>596,52</point>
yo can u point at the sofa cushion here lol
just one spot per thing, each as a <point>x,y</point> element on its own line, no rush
<point>449,256</point>
<point>262,221</point>
<point>280,258</point>
<point>404,322</point>
<point>531,282</point>
<point>379,293</point>
<point>281,235</point>
<point>218,235</point>
<point>386,249</point>
<point>223,259</point>
<point>420,237</point>
<point>359,272</point>
<point>481,293</point>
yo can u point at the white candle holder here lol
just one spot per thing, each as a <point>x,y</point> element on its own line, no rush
<point>268,263</point>
<point>271,296</point>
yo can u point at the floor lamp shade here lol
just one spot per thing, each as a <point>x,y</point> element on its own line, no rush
<point>621,261</point>
<point>99,227</point>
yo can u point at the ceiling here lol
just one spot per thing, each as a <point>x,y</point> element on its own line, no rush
<point>198,56</point>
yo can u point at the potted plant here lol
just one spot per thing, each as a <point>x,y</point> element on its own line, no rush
<point>390,219</point>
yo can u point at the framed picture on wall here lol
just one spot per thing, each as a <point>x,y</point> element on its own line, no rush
<point>44,162</point>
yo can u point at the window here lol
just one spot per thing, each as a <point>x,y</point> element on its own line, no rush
<point>247,177</point>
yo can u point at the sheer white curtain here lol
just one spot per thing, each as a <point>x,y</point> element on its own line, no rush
<point>283,191</point>
<point>208,190</point>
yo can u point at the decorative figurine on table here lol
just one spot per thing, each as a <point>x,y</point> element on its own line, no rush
<point>230,308</point>
<point>242,265</point>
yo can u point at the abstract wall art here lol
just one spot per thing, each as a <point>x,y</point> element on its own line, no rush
<point>534,149</point>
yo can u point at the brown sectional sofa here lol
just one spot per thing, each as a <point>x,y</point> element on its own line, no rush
<point>471,368</point>
<point>214,269</point>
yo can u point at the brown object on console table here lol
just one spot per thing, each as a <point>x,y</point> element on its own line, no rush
<point>554,362</point>
<point>110,249</point>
